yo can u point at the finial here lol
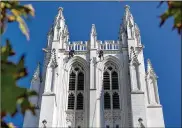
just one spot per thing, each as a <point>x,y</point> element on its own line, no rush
<point>60,13</point>
<point>93,30</point>
<point>60,9</point>
<point>36,74</point>
<point>150,68</point>
<point>149,64</point>
<point>127,7</point>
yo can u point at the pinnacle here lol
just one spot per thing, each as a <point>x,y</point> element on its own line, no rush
<point>93,29</point>
<point>60,9</point>
<point>150,68</point>
<point>149,65</point>
<point>127,7</point>
<point>36,74</point>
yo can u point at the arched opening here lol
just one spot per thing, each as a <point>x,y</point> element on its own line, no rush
<point>80,81</point>
<point>107,101</point>
<point>71,100</point>
<point>72,81</point>
<point>79,101</point>
<point>114,80</point>
<point>106,81</point>
<point>116,101</point>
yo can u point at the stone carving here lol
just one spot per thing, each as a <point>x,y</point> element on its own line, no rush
<point>116,115</point>
<point>36,75</point>
<point>140,120</point>
<point>112,116</point>
<point>53,60</point>
<point>137,34</point>
<point>110,65</point>
<point>79,118</point>
<point>70,117</point>
<point>108,116</point>
<point>134,57</point>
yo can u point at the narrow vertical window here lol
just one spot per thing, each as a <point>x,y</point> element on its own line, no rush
<point>107,101</point>
<point>117,126</point>
<point>106,81</point>
<point>116,101</point>
<point>107,126</point>
<point>80,81</point>
<point>114,80</point>
<point>79,101</point>
<point>71,100</point>
<point>72,81</point>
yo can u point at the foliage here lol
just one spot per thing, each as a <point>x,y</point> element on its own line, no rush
<point>12,11</point>
<point>13,96</point>
<point>174,10</point>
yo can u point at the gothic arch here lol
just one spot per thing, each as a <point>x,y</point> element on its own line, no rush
<point>79,60</point>
<point>81,67</point>
<point>112,59</point>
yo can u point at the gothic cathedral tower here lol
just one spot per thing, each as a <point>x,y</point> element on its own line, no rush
<point>95,83</point>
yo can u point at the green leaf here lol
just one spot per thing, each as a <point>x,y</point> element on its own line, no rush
<point>9,93</point>
<point>174,10</point>
<point>10,73</point>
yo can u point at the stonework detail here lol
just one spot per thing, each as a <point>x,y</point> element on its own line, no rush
<point>70,117</point>
<point>103,84</point>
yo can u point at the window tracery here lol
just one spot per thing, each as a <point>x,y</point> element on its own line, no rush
<point>111,87</point>
<point>76,86</point>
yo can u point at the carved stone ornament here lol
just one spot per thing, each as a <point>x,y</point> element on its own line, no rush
<point>53,61</point>
<point>79,118</point>
<point>108,116</point>
<point>116,115</point>
<point>94,60</point>
<point>133,57</point>
<point>70,117</point>
<point>112,116</point>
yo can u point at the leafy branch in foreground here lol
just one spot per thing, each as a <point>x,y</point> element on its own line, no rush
<point>13,97</point>
<point>174,10</point>
<point>12,11</point>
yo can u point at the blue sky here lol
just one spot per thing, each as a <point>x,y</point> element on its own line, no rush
<point>162,45</point>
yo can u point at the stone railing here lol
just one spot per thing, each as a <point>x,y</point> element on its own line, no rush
<point>102,45</point>
<point>77,46</point>
<point>109,45</point>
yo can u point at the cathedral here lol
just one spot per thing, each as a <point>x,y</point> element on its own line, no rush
<point>95,83</point>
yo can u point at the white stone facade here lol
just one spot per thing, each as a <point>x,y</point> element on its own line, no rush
<point>88,91</point>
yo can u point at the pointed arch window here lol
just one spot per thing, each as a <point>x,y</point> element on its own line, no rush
<point>116,101</point>
<point>114,80</point>
<point>111,87</point>
<point>76,86</point>
<point>107,101</point>
<point>106,81</point>
<point>80,81</point>
<point>79,101</point>
<point>72,81</point>
<point>71,101</point>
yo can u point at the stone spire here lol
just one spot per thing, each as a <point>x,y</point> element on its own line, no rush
<point>59,23</point>
<point>126,27</point>
<point>60,13</point>
<point>36,75</point>
<point>127,13</point>
<point>150,69</point>
<point>50,37</point>
<point>93,30</point>
<point>93,37</point>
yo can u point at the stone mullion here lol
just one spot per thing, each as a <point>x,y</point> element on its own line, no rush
<point>111,98</point>
<point>75,104</point>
